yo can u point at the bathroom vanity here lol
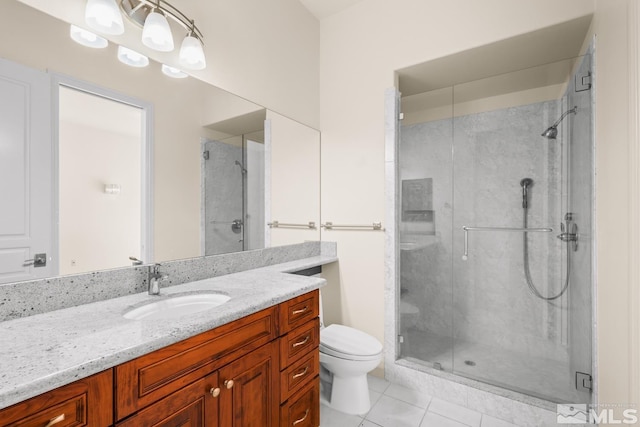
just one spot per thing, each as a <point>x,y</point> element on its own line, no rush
<point>253,360</point>
<point>261,369</point>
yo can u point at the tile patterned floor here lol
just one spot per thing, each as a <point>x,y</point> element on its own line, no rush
<point>396,406</point>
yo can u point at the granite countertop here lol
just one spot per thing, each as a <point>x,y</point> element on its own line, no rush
<point>46,351</point>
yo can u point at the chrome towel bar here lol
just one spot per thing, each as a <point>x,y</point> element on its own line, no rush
<point>276,224</point>
<point>376,226</point>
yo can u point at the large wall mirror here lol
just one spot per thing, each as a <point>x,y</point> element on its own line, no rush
<point>219,169</point>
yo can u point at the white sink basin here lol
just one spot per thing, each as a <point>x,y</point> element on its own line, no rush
<point>176,306</point>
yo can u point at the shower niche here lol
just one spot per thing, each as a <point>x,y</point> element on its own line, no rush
<point>502,157</point>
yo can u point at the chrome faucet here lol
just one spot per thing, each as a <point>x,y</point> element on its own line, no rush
<point>153,279</point>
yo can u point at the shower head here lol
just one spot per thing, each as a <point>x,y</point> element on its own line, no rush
<point>552,131</point>
<point>242,169</point>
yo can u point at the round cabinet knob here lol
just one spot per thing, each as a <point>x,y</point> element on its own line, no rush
<point>228,383</point>
<point>215,392</point>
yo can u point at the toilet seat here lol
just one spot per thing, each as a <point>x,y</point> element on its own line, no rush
<point>348,343</point>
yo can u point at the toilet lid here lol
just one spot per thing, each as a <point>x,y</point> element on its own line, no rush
<point>346,340</point>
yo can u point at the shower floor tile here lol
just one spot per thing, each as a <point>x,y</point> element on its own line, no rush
<point>544,378</point>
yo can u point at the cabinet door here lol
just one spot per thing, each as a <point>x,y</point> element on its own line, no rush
<point>250,395</point>
<point>193,406</point>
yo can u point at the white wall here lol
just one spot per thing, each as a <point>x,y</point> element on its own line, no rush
<point>616,360</point>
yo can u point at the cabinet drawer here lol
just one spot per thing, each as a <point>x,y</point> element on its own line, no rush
<point>295,376</point>
<point>303,409</point>
<point>149,378</point>
<point>87,402</point>
<point>299,342</point>
<point>189,406</point>
<point>298,311</point>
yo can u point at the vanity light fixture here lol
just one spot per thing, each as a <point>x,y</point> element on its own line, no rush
<point>87,38</point>
<point>151,16</point>
<point>173,72</point>
<point>104,16</point>
<point>131,57</point>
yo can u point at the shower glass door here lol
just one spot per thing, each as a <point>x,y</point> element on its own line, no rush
<point>426,229</point>
<point>480,296</point>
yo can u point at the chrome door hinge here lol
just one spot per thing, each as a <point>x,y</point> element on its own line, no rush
<point>584,382</point>
<point>583,82</point>
<point>401,116</point>
<point>205,154</point>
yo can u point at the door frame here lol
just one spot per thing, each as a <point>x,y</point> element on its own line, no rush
<point>146,191</point>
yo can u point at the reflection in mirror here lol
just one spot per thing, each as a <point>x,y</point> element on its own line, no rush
<point>100,147</point>
<point>187,115</point>
<point>233,185</point>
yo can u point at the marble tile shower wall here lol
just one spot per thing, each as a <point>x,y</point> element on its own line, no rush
<point>22,299</point>
<point>476,163</point>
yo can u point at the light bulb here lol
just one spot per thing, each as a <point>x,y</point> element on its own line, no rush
<point>87,38</point>
<point>104,16</point>
<point>131,57</point>
<point>192,54</point>
<point>173,72</point>
<point>156,33</point>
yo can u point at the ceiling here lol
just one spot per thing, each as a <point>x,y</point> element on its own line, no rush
<point>324,8</point>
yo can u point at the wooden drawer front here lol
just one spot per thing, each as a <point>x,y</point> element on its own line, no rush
<point>299,342</point>
<point>301,372</point>
<point>298,311</point>
<point>303,409</point>
<point>73,412</point>
<point>149,378</point>
<point>87,402</point>
<point>187,407</point>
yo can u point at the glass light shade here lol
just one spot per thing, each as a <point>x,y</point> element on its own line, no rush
<point>131,57</point>
<point>192,54</point>
<point>173,72</point>
<point>87,38</point>
<point>104,16</point>
<point>156,33</point>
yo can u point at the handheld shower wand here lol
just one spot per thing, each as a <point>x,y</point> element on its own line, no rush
<point>525,183</point>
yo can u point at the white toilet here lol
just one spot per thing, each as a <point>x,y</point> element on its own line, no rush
<point>347,355</point>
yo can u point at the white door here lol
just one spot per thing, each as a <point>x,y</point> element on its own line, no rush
<point>25,173</point>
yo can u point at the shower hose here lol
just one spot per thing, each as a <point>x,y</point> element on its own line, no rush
<point>527,273</point>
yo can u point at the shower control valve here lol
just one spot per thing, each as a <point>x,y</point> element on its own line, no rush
<point>569,233</point>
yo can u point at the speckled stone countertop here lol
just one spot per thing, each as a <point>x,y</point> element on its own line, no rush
<point>42,352</point>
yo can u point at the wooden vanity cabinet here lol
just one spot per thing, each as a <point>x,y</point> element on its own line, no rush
<point>261,370</point>
<point>86,402</point>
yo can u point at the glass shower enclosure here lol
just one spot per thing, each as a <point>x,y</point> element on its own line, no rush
<point>233,194</point>
<point>496,204</point>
